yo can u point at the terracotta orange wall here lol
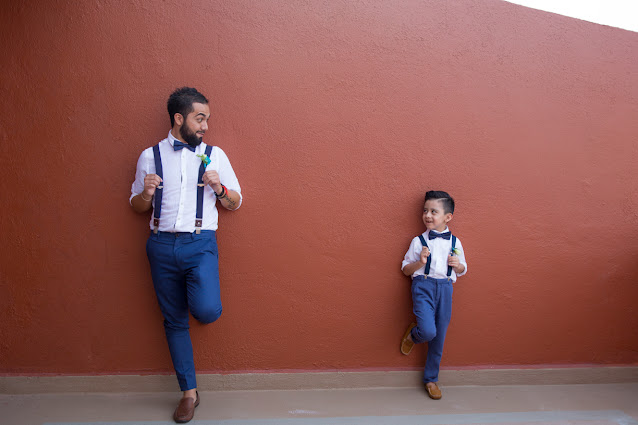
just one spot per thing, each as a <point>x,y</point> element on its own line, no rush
<point>337,117</point>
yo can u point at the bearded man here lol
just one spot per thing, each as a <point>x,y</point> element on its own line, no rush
<point>182,179</point>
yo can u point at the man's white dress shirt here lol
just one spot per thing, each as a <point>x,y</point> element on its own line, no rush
<point>180,171</point>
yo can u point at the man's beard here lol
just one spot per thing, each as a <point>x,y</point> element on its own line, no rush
<point>189,137</point>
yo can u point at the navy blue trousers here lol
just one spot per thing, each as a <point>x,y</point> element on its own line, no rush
<point>432,304</point>
<point>185,274</point>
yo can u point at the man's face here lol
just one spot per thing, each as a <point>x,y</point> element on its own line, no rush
<point>195,124</point>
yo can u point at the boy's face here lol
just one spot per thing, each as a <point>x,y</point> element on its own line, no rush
<point>434,216</point>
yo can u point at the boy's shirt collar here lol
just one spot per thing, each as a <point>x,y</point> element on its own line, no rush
<point>447,229</point>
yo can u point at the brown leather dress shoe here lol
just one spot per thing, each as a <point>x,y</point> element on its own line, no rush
<point>185,409</point>
<point>406,344</point>
<point>433,391</point>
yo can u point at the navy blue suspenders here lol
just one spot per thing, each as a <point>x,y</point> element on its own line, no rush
<point>157,206</point>
<point>200,194</point>
<point>427,264</point>
<point>449,268</point>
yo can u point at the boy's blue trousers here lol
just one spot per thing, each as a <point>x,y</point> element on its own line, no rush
<point>432,302</point>
<point>185,274</point>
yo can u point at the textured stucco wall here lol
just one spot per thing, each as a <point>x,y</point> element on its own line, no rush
<point>337,116</point>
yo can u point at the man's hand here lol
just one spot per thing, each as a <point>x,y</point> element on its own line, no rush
<point>143,201</point>
<point>453,260</point>
<point>151,181</point>
<point>211,178</point>
<point>425,253</point>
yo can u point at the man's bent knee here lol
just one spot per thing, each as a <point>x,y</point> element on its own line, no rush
<point>208,315</point>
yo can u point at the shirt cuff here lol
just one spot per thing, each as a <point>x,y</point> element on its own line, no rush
<point>464,270</point>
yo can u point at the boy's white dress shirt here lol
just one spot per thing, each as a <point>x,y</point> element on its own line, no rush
<point>439,250</point>
<point>180,172</point>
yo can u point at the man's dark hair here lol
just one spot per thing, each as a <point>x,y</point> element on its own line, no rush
<point>181,102</point>
<point>444,197</point>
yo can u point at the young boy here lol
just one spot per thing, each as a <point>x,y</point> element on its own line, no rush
<point>435,259</point>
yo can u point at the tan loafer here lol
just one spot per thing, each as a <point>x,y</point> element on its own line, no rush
<point>185,409</point>
<point>433,391</point>
<point>406,344</point>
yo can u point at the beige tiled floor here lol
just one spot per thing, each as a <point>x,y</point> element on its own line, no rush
<point>460,404</point>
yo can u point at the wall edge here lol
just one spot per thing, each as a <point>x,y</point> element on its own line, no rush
<point>317,380</point>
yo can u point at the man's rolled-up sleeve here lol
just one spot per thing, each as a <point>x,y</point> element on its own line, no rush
<point>227,174</point>
<point>141,171</point>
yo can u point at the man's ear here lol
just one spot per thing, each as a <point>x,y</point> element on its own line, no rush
<point>179,119</point>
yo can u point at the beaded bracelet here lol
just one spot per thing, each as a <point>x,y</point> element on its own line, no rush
<point>224,192</point>
<point>147,200</point>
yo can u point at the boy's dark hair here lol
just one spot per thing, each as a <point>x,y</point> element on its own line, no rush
<point>181,102</point>
<point>444,197</point>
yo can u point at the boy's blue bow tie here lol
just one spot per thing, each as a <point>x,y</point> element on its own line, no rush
<point>177,145</point>
<point>434,235</point>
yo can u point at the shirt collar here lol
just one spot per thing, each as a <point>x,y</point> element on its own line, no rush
<point>171,140</point>
<point>447,229</point>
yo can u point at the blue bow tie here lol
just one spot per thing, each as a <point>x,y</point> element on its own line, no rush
<point>177,145</point>
<point>434,235</point>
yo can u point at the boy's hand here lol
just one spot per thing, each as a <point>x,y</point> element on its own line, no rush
<point>425,253</point>
<point>453,260</point>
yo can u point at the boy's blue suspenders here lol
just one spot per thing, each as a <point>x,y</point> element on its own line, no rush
<point>449,268</point>
<point>427,264</point>
<point>157,206</point>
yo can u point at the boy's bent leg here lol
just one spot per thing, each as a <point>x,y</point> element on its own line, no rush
<point>407,343</point>
<point>423,302</point>
<point>435,346</point>
<point>202,277</point>
<point>170,289</point>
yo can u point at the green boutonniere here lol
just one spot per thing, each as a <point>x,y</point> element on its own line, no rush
<point>455,251</point>
<point>205,159</point>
